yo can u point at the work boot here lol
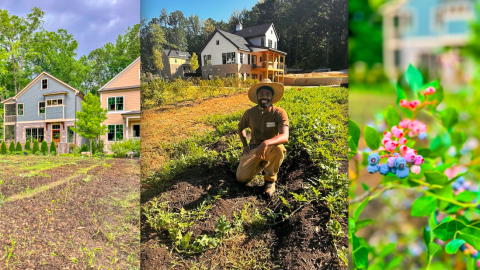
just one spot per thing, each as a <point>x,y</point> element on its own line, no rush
<point>269,188</point>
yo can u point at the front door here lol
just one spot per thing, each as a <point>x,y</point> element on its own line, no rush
<point>56,133</point>
<point>136,131</point>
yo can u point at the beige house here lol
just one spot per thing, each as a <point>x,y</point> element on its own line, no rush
<point>175,63</point>
<point>121,96</point>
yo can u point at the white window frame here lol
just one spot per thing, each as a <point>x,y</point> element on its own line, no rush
<point>41,84</point>
<point>45,108</point>
<point>115,132</point>
<point>206,61</point>
<point>270,44</point>
<point>69,134</point>
<point>23,110</point>
<point>241,58</point>
<point>115,97</point>
<point>57,99</point>
<point>218,42</point>
<point>134,130</point>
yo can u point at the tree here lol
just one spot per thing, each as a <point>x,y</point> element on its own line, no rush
<point>12,147</point>
<point>27,146</point>
<point>4,148</point>
<point>90,119</point>
<point>194,62</point>
<point>44,148</point>
<point>35,148</point>
<point>19,147</point>
<point>53,149</point>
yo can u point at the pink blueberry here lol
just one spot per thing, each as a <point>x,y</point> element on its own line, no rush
<point>409,156</point>
<point>418,160</point>
<point>387,134</point>
<point>414,104</point>
<point>430,90</point>
<point>415,169</point>
<point>404,103</point>
<point>390,146</point>
<point>385,140</point>
<point>402,141</point>
<point>391,162</point>
<point>398,133</point>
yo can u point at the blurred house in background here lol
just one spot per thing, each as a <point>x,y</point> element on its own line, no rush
<point>175,63</point>
<point>428,34</point>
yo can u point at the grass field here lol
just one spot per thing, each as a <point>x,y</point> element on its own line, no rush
<point>196,216</point>
<point>69,213</point>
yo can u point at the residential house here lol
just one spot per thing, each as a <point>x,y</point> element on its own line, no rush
<point>175,63</point>
<point>44,110</point>
<point>121,96</point>
<point>245,52</point>
<point>416,31</point>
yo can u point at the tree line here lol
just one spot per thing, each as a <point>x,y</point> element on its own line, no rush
<point>27,49</point>
<point>313,33</point>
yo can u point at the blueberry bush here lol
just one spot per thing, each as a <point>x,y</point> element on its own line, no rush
<point>427,160</point>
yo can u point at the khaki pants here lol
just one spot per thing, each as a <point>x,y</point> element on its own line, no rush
<point>250,165</point>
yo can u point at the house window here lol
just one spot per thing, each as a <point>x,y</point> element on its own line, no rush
<point>271,31</point>
<point>115,133</point>
<point>34,134</point>
<point>230,75</point>
<point>228,58</point>
<point>218,42</point>
<point>44,84</point>
<point>397,58</point>
<point>71,135</point>
<point>210,76</point>
<point>275,45</point>
<point>207,60</point>
<point>262,42</point>
<point>20,109</point>
<point>136,131</point>
<point>270,43</point>
<point>55,126</point>
<point>248,56</point>
<point>241,58</point>
<point>54,102</point>
<point>115,103</point>
<point>41,107</point>
<point>175,60</point>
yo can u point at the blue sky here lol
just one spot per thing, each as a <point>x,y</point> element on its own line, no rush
<point>91,22</point>
<point>215,9</point>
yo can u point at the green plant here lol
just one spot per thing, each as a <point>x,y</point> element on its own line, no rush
<point>4,148</point>
<point>121,148</point>
<point>53,149</point>
<point>19,147</point>
<point>35,148</point>
<point>28,146</point>
<point>11,148</point>
<point>44,148</point>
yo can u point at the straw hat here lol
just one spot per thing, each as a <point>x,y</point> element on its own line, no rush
<point>277,90</point>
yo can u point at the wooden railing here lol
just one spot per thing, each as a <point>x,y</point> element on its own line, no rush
<point>10,118</point>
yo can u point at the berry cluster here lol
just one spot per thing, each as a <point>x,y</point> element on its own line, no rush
<point>415,128</point>
<point>398,156</point>
<point>412,105</point>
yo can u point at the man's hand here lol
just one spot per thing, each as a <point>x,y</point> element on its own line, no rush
<point>261,150</point>
<point>246,150</point>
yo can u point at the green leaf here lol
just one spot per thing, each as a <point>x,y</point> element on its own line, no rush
<point>394,263</point>
<point>353,151</point>
<point>424,152</point>
<point>360,208</point>
<point>445,192</point>
<point>466,196</point>
<point>360,254</point>
<point>351,226</point>
<point>471,234</point>
<point>362,223</point>
<point>364,158</point>
<point>427,237</point>
<point>423,206</point>
<point>432,249</point>
<point>400,93</point>
<point>365,187</point>
<point>436,178</point>
<point>393,119</point>
<point>386,250</point>
<point>414,78</point>
<point>447,230</point>
<point>458,139</point>
<point>449,117</point>
<point>354,132</point>
<point>372,138</point>
<point>453,246</point>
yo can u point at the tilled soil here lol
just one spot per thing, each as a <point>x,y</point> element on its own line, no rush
<point>86,222</point>
<point>300,242</point>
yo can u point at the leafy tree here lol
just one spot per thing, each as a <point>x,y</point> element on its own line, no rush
<point>35,148</point>
<point>53,149</point>
<point>90,119</point>
<point>19,147</point>
<point>153,41</point>
<point>4,148</point>
<point>12,147</point>
<point>194,62</point>
<point>27,146</point>
<point>44,148</point>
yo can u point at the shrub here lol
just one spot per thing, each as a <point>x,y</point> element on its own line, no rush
<point>4,148</point>
<point>12,147</point>
<point>121,148</point>
<point>86,148</point>
<point>19,147</point>
<point>53,149</point>
<point>35,148</point>
<point>27,146</point>
<point>44,148</point>
<point>100,146</point>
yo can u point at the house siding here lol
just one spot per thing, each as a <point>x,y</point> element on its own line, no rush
<point>129,78</point>
<point>216,51</point>
<point>131,99</point>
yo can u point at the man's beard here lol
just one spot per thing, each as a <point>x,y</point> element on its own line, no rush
<point>267,104</point>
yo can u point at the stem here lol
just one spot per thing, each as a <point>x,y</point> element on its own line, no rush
<point>425,184</point>
<point>465,205</point>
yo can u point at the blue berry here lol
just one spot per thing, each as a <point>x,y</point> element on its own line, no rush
<point>462,247</point>
<point>373,159</point>
<point>422,135</point>
<point>402,173</point>
<point>400,163</point>
<point>456,186</point>
<point>393,170</point>
<point>460,180</point>
<point>384,169</point>
<point>372,168</point>
<point>475,255</point>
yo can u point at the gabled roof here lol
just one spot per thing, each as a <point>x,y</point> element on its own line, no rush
<point>104,88</point>
<point>254,31</point>
<point>78,93</point>
<point>237,41</point>
<point>177,54</point>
